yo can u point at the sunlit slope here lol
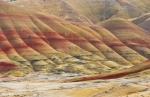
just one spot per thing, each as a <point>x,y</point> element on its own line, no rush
<point>31,41</point>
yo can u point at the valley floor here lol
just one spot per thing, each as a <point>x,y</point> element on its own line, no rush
<point>40,85</point>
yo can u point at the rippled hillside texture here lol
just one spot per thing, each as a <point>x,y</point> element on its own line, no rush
<point>88,10</point>
<point>74,48</point>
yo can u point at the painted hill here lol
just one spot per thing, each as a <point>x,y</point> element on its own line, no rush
<point>33,41</point>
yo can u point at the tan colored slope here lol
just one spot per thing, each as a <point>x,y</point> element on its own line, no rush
<point>56,7</point>
<point>130,34</point>
<point>87,10</point>
<point>97,10</point>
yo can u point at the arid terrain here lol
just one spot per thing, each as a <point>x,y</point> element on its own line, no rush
<point>74,48</point>
<point>38,85</point>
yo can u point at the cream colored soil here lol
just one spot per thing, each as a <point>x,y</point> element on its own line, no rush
<point>40,85</point>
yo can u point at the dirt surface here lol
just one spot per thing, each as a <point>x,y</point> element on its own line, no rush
<point>43,85</point>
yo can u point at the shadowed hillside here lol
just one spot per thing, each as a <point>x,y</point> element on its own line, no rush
<point>143,21</point>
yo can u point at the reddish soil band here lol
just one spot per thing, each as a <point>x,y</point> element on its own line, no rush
<point>5,66</point>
